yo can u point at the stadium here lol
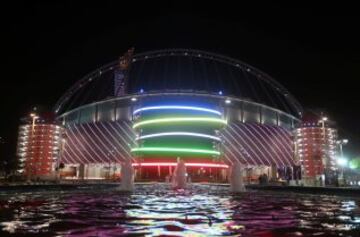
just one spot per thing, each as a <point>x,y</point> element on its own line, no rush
<point>157,107</point>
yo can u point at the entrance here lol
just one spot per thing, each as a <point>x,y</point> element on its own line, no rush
<point>195,172</point>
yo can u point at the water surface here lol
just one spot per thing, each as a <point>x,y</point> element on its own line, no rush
<point>156,210</point>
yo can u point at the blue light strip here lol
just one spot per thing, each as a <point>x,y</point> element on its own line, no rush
<point>176,107</point>
<point>178,134</point>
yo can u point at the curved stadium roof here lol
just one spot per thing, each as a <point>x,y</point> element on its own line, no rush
<point>182,70</point>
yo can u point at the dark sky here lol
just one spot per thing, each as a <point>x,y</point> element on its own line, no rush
<point>314,51</point>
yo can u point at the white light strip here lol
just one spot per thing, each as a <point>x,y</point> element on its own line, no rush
<point>176,107</point>
<point>178,134</point>
<point>209,165</point>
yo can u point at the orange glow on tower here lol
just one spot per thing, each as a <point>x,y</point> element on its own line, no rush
<point>316,147</point>
<point>39,147</point>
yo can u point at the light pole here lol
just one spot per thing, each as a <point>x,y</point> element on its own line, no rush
<point>325,160</point>
<point>341,143</point>
<point>34,117</point>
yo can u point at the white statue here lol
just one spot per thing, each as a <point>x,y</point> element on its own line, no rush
<point>236,178</point>
<point>127,176</point>
<point>179,176</point>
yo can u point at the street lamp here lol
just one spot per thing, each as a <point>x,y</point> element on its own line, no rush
<point>342,161</point>
<point>340,143</point>
<point>34,117</point>
<point>322,121</point>
<point>325,161</point>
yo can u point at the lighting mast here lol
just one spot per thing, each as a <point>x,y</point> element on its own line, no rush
<point>121,78</point>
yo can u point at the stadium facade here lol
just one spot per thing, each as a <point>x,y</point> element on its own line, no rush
<point>157,107</point>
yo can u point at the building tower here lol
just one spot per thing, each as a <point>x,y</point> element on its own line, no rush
<point>39,146</point>
<point>316,149</point>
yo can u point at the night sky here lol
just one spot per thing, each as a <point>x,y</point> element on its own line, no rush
<point>314,51</point>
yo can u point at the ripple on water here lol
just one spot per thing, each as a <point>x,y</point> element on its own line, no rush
<point>202,210</point>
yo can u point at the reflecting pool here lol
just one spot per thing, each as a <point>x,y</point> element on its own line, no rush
<point>156,210</point>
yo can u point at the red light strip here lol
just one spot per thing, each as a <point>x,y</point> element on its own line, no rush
<point>206,165</point>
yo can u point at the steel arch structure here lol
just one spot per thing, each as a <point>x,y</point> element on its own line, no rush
<point>96,75</point>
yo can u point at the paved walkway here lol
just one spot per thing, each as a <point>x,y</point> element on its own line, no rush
<point>343,191</point>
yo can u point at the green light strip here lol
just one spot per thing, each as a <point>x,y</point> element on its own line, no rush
<point>169,149</point>
<point>180,119</point>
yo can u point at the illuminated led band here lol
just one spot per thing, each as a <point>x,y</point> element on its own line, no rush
<point>169,149</point>
<point>180,119</point>
<point>191,134</point>
<point>206,165</point>
<point>176,107</point>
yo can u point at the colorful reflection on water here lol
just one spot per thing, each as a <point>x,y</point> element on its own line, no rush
<point>156,210</point>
